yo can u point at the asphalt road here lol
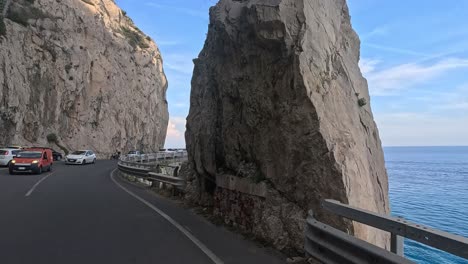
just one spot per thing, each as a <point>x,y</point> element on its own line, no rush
<point>86,214</point>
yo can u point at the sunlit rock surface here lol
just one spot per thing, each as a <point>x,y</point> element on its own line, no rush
<point>278,98</point>
<point>82,70</point>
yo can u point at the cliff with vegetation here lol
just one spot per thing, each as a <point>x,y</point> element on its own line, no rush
<point>280,119</point>
<point>79,69</point>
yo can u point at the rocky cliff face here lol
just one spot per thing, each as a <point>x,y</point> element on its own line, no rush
<point>278,98</point>
<point>82,70</point>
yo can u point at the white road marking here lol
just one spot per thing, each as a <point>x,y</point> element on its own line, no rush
<point>37,184</point>
<point>184,231</point>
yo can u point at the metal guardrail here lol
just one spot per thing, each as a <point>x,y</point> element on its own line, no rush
<point>323,242</point>
<point>152,157</point>
<point>331,245</point>
<point>138,172</point>
<point>144,166</point>
<point>174,181</point>
<point>136,165</point>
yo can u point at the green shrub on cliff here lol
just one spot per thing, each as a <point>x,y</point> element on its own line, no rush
<point>52,138</point>
<point>362,102</point>
<point>18,18</point>
<point>134,38</point>
<point>20,14</point>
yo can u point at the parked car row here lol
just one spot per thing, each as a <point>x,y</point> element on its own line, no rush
<point>39,159</point>
<point>8,153</point>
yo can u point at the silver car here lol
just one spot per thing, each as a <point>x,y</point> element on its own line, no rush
<point>7,155</point>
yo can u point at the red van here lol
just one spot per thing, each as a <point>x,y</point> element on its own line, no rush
<point>34,160</point>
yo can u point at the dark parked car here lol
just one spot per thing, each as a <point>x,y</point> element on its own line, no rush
<point>57,155</point>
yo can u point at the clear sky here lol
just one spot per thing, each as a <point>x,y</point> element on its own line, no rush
<point>413,53</point>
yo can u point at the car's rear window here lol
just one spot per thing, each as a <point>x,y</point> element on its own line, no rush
<point>3,152</point>
<point>79,153</point>
<point>27,154</point>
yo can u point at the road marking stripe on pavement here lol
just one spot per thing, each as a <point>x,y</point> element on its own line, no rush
<point>184,231</point>
<point>37,184</point>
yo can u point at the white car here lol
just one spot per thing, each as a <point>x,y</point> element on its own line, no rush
<point>81,157</point>
<point>7,155</point>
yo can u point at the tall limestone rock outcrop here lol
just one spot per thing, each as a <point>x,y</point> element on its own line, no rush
<point>82,70</point>
<point>278,99</point>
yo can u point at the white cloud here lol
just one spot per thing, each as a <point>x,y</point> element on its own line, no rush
<point>367,65</point>
<point>180,105</point>
<point>422,129</point>
<point>458,105</point>
<point>378,31</point>
<point>179,62</point>
<point>175,137</point>
<point>404,76</point>
<point>396,50</point>
<point>456,99</point>
<point>178,81</point>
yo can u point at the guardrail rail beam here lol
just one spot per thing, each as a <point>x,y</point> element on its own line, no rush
<point>451,243</point>
<point>332,246</point>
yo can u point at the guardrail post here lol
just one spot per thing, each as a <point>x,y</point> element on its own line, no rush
<point>397,244</point>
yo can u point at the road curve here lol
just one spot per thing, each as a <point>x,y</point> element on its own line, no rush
<point>78,214</point>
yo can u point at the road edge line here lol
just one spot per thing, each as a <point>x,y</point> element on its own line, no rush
<point>184,231</point>
<point>37,184</point>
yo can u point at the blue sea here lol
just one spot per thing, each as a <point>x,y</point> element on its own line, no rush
<point>429,185</point>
